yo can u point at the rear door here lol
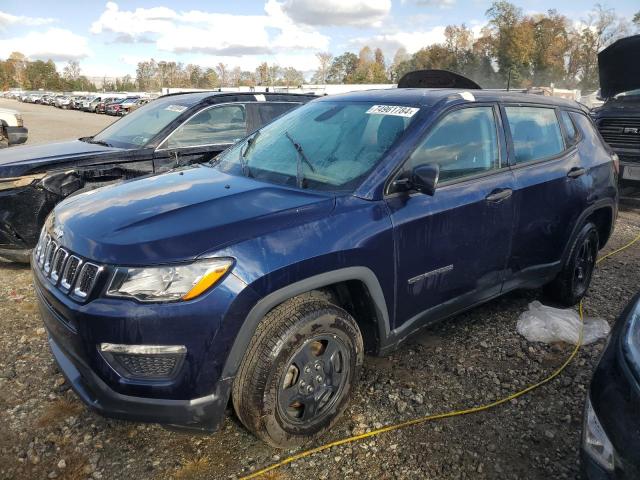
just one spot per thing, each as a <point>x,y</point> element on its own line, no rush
<point>551,190</point>
<point>452,247</point>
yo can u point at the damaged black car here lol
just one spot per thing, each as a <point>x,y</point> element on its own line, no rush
<point>172,131</point>
<point>618,120</point>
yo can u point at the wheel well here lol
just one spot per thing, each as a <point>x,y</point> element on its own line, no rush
<point>602,218</point>
<point>354,297</point>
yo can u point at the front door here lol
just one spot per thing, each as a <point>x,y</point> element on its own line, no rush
<point>202,137</point>
<point>452,247</point>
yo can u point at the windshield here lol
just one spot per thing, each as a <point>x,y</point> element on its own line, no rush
<point>140,126</point>
<point>328,145</point>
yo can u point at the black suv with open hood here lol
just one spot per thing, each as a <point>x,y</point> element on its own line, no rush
<point>174,130</point>
<point>618,120</point>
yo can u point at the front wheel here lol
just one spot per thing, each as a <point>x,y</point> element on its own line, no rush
<point>298,372</point>
<point>572,282</point>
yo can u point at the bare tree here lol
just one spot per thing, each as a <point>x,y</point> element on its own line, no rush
<point>223,74</point>
<point>324,59</point>
<point>72,70</point>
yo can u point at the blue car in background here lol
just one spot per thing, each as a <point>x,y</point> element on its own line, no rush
<point>341,228</point>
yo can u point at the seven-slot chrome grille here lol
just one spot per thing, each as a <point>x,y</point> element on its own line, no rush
<point>70,273</point>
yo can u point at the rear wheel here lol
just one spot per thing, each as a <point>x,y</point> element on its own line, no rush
<point>572,282</point>
<point>298,372</point>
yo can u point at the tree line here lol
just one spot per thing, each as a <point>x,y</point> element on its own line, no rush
<point>513,47</point>
<point>525,50</point>
<point>18,71</point>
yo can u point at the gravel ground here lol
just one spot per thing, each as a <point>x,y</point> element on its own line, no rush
<point>48,124</point>
<point>472,359</point>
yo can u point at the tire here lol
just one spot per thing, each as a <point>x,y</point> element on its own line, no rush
<point>298,372</point>
<point>573,281</point>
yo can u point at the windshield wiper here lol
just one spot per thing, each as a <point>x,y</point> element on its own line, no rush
<point>99,142</point>
<point>244,163</point>
<point>299,159</point>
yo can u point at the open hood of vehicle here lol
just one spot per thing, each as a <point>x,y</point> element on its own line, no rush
<point>619,67</point>
<point>39,155</point>
<point>436,79</point>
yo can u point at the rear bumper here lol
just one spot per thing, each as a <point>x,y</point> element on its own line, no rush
<point>205,413</point>
<point>16,135</point>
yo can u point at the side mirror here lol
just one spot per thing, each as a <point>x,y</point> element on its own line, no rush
<point>424,178</point>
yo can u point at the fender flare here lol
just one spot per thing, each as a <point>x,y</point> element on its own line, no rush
<point>267,303</point>
<point>598,205</point>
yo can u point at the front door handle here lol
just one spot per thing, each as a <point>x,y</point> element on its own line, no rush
<point>576,172</point>
<point>499,195</point>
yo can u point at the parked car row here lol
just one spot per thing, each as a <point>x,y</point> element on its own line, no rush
<point>118,104</point>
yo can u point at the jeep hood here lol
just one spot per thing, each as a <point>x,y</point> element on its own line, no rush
<point>179,215</point>
<point>49,153</point>
<point>619,67</point>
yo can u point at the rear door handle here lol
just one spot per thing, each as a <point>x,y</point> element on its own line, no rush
<point>499,195</point>
<point>576,172</point>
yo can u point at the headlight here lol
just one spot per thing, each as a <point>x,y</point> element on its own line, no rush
<point>170,282</point>
<point>631,341</point>
<point>17,182</point>
<point>594,439</point>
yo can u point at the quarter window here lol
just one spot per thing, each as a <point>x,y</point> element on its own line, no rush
<point>535,132</point>
<point>464,143</point>
<point>217,125</point>
<point>572,133</point>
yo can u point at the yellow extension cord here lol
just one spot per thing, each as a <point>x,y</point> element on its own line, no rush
<point>438,416</point>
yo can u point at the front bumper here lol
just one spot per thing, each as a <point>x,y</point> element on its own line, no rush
<point>194,398</point>
<point>204,413</point>
<point>16,135</point>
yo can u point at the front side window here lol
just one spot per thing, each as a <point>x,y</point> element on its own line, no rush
<point>325,145</point>
<point>216,125</point>
<point>535,132</point>
<point>463,144</point>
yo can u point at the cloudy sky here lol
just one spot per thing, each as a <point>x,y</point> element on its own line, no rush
<point>109,38</point>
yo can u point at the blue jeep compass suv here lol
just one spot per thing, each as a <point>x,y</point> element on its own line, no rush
<point>340,228</point>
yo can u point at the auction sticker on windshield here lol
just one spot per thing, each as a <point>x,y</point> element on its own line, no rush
<point>396,110</point>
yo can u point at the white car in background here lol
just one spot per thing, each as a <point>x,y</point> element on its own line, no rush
<point>12,131</point>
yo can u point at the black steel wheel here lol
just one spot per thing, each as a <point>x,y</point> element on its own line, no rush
<point>314,380</point>
<point>298,372</point>
<point>574,279</point>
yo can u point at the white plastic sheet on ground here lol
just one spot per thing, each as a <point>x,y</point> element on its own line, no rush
<point>541,323</point>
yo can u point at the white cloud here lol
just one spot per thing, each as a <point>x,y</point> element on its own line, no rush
<point>6,19</point>
<point>435,3</point>
<point>211,33</point>
<point>338,12</point>
<point>412,41</point>
<point>55,44</point>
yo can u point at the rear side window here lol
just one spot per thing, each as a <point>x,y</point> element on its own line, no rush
<point>535,132</point>
<point>261,113</point>
<point>463,144</point>
<point>570,128</point>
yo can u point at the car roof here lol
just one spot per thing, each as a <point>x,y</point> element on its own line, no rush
<point>219,97</point>
<point>425,97</point>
